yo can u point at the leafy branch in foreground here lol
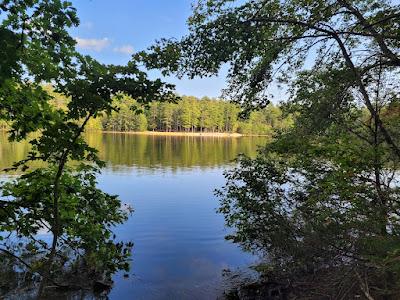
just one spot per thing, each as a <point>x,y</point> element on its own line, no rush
<point>321,202</point>
<point>59,199</point>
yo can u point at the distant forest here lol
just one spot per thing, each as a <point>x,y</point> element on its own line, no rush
<point>190,114</point>
<point>194,115</point>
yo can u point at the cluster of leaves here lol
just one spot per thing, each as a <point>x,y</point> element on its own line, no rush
<point>36,49</point>
<point>312,205</point>
<point>321,202</point>
<point>87,215</point>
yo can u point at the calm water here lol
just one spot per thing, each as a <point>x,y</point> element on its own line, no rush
<point>179,250</point>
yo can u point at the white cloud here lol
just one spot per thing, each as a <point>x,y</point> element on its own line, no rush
<point>125,49</point>
<point>93,44</point>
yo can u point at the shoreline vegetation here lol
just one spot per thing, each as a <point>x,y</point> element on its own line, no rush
<point>174,133</point>
<point>182,133</point>
<point>189,116</point>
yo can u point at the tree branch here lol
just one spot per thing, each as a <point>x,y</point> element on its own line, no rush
<point>370,27</point>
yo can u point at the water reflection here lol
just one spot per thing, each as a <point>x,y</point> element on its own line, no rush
<point>11,152</point>
<point>179,250</point>
<point>173,152</point>
<point>150,151</point>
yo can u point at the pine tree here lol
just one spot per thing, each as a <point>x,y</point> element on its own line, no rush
<point>167,113</point>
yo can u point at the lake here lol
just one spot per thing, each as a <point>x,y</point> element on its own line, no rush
<point>179,247</point>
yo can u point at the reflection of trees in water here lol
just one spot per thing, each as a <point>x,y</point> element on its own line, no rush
<point>18,282</point>
<point>151,151</point>
<point>12,279</point>
<point>11,152</point>
<point>172,151</point>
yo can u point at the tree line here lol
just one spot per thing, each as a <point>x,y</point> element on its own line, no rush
<point>191,114</point>
<point>188,114</point>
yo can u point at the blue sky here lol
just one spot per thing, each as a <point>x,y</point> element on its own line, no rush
<point>111,30</point>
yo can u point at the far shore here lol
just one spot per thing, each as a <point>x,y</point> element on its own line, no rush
<point>174,133</point>
<point>178,133</point>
